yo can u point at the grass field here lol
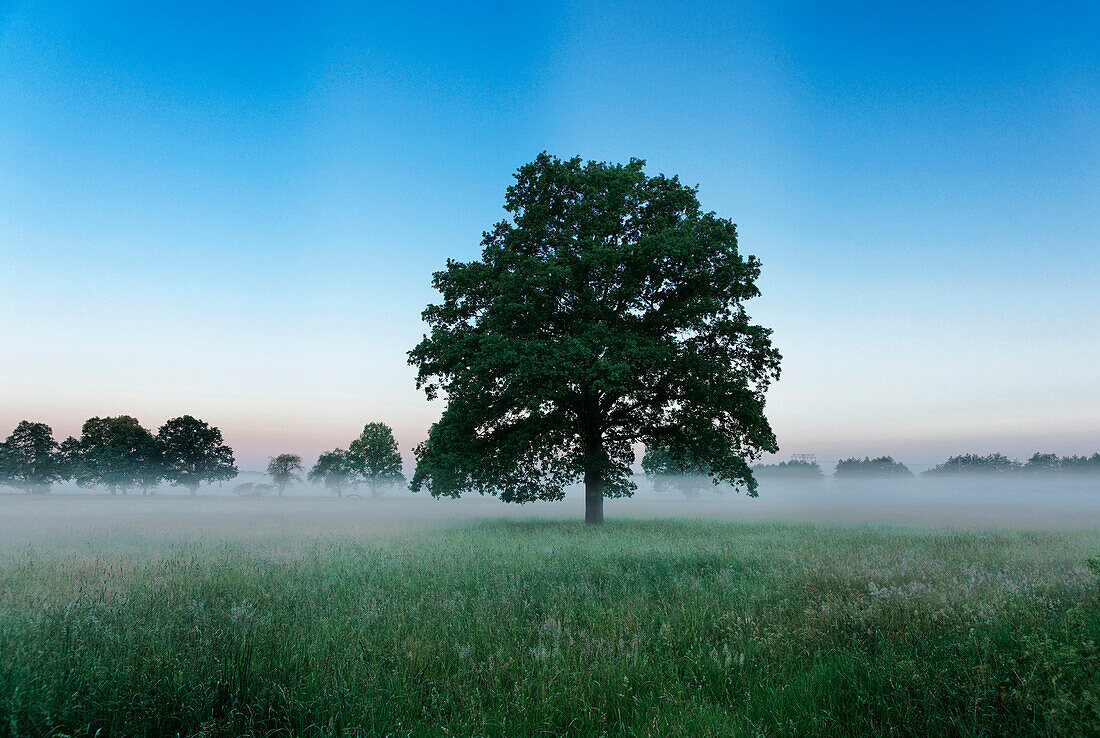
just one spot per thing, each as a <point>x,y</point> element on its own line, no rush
<point>544,627</point>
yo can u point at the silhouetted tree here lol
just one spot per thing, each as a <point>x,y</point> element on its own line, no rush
<point>194,453</point>
<point>608,311</point>
<point>373,457</point>
<point>667,473</point>
<point>975,464</point>
<point>30,459</point>
<point>283,470</point>
<point>116,453</point>
<point>333,470</point>
<point>883,466</point>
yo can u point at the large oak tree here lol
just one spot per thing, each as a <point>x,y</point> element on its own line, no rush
<point>608,310</point>
<point>115,452</point>
<point>195,453</point>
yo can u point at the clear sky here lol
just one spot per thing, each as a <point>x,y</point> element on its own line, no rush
<point>233,210</point>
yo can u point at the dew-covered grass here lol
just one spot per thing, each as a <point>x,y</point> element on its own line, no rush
<point>652,627</point>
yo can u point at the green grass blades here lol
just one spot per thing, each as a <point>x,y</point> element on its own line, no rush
<point>549,628</point>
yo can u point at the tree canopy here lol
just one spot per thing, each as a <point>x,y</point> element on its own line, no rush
<point>373,457</point>
<point>116,453</point>
<point>194,453</point>
<point>608,310</point>
<point>667,473</point>
<point>334,471</point>
<point>30,458</point>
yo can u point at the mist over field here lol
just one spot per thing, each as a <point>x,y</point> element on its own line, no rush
<point>72,517</point>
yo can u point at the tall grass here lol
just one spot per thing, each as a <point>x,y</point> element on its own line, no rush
<point>505,628</point>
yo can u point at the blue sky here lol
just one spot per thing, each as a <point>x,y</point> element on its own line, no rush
<point>233,210</point>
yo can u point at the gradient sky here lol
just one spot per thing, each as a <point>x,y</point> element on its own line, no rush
<point>233,210</point>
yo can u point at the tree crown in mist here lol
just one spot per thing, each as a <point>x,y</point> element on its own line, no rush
<point>283,469</point>
<point>374,457</point>
<point>609,310</point>
<point>194,453</point>
<point>688,478</point>
<point>116,453</point>
<point>30,458</point>
<point>334,470</point>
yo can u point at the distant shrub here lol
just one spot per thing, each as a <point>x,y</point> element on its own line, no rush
<point>883,466</point>
<point>788,470</point>
<point>251,489</point>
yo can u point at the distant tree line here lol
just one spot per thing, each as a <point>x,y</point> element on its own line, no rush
<point>883,466</point>
<point>118,454</point>
<point>1039,463</point>
<point>789,470</point>
<point>669,473</point>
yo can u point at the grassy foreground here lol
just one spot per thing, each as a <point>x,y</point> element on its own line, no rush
<point>505,628</point>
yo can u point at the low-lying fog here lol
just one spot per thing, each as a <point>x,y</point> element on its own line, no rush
<point>72,517</point>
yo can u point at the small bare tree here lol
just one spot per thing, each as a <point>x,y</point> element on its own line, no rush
<point>283,470</point>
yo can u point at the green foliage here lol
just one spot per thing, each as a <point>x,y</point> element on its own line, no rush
<point>334,470</point>
<point>373,457</point>
<point>789,470</point>
<point>666,473</point>
<point>609,310</point>
<point>540,628</point>
<point>883,466</point>
<point>194,453</point>
<point>116,453</point>
<point>30,459</point>
<point>283,470</point>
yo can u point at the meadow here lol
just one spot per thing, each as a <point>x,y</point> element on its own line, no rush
<point>534,626</point>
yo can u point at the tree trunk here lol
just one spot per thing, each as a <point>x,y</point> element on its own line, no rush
<point>593,498</point>
<point>593,482</point>
<point>194,489</point>
<point>595,463</point>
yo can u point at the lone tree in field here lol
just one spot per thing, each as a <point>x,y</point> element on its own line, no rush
<point>333,470</point>
<point>194,453</point>
<point>30,459</point>
<point>608,311</point>
<point>283,470</point>
<point>374,458</point>
<point>116,453</point>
